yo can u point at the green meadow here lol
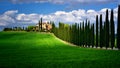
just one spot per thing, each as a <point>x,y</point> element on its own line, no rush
<point>44,50</point>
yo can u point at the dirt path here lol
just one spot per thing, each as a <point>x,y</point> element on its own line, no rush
<point>63,41</point>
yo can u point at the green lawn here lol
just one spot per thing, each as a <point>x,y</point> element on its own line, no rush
<point>40,50</point>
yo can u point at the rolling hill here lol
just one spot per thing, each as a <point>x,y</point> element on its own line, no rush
<point>44,50</point>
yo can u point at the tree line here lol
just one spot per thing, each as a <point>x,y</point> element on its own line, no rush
<point>15,29</point>
<point>101,34</point>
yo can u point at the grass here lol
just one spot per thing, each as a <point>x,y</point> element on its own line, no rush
<point>40,50</point>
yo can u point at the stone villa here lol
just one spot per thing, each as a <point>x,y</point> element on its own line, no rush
<point>46,26</point>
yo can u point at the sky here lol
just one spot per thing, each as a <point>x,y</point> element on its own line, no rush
<point>28,12</point>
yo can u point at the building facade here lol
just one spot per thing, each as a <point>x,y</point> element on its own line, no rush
<point>44,26</point>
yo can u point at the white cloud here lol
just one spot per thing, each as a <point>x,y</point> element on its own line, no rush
<point>67,17</point>
<point>30,18</point>
<point>3,23</point>
<point>91,11</point>
<point>13,18</point>
<point>7,18</point>
<point>10,13</point>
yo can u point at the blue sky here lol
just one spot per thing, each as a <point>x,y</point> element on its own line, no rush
<point>28,12</point>
<point>49,7</point>
<point>41,8</point>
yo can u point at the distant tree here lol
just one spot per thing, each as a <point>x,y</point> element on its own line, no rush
<point>107,29</point>
<point>19,29</point>
<point>118,29</point>
<point>112,30</point>
<point>53,27</point>
<point>30,28</point>
<point>23,28</point>
<point>7,29</point>
<point>15,28</point>
<point>97,31</point>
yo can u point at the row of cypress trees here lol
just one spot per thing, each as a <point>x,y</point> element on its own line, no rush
<point>84,34</point>
<point>105,31</point>
<point>105,37</point>
<point>79,34</point>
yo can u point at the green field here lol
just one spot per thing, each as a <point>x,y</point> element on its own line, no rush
<point>42,50</point>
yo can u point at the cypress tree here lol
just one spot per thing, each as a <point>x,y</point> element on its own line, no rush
<point>53,28</point>
<point>83,34</point>
<point>73,34</point>
<point>101,38</point>
<point>107,29</point>
<point>118,28</point>
<point>104,34</point>
<point>112,30</point>
<point>65,32</point>
<point>96,31</point>
<point>23,28</point>
<point>80,35</point>
<point>60,30</point>
<point>76,33</point>
<point>41,23</point>
<point>92,36</point>
<point>86,34</point>
<point>70,32</point>
<point>39,26</point>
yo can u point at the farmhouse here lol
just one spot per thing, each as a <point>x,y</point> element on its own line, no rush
<point>44,26</point>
